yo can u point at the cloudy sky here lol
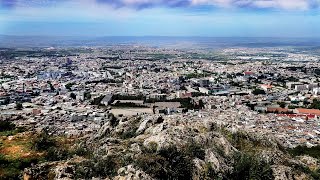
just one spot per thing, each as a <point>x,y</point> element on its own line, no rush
<point>215,18</point>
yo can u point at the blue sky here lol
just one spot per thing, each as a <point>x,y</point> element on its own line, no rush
<point>215,18</point>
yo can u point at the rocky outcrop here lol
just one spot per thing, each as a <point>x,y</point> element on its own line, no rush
<point>53,170</point>
<point>130,173</point>
<point>130,138</point>
<point>310,162</point>
<point>39,172</point>
<point>281,172</point>
<point>64,172</point>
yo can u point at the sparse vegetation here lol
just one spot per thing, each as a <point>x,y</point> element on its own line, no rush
<point>43,141</point>
<point>9,129</point>
<point>250,167</point>
<point>16,153</point>
<point>12,168</point>
<point>25,149</point>
<point>193,149</point>
<point>303,150</point>
<point>169,163</point>
<point>6,126</point>
<point>97,167</point>
<point>197,75</point>
<point>128,134</point>
<point>315,104</point>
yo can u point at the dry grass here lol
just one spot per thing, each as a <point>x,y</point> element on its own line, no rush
<point>18,146</point>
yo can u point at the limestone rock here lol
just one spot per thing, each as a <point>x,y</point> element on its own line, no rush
<point>130,173</point>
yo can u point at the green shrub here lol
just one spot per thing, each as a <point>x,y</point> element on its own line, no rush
<point>303,150</point>
<point>19,106</point>
<point>6,126</point>
<point>315,104</point>
<point>87,95</point>
<point>128,134</point>
<point>152,164</point>
<point>258,91</point>
<point>73,96</point>
<point>195,150</point>
<point>82,150</point>
<point>159,120</point>
<point>9,129</point>
<point>101,167</point>
<point>113,120</point>
<point>12,168</point>
<point>153,146</point>
<point>69,86</point>
<point>49,145</point>
<point>250,167</point>
<point>167,163</point>
<point>209,173</point>
<point>305,169</point>
<point>57,154</point>
<point>43,141</point>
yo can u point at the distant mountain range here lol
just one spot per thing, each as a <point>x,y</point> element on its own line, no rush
<point>160,41</point>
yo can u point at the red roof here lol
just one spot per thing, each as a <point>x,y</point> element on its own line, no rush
<point>186,95</point>
<point>248,73</point>
<point>269,109</point>
<point>268,86</point>
<point>311,116</point>
<point>308,111</point>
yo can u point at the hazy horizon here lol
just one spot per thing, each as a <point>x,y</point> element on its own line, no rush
<point>160,41</point>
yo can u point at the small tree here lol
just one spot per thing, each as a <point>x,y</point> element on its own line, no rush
<point>282,104</point>
<point>51,86</point>
<point>160,120</point>
<point>6,100</point>
<point>69,86</point>
<point>6,126</point>
<point>19,106</point>
<point>201,104</point>
<point>87,95</point>
<point>258,91</point>
<point>73,96</point>
<point>43,141</point>
<point>113,120</point>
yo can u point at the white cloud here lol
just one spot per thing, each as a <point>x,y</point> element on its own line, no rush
<point>283,4</point>
<point>275,4</point>
<point>141,4</point>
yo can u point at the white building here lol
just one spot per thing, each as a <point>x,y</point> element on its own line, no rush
<point>204,90</point>
<point>316,91</point>
<point>302,87</point>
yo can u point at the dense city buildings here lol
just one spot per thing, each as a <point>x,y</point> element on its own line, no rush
<point>72,90</point>
<point>123,101</point>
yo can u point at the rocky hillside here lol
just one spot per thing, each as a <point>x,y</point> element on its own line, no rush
<point>153,147</point>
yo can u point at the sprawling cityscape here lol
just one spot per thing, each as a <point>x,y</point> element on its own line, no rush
<point>272,91</point>
<point>90,93</point>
